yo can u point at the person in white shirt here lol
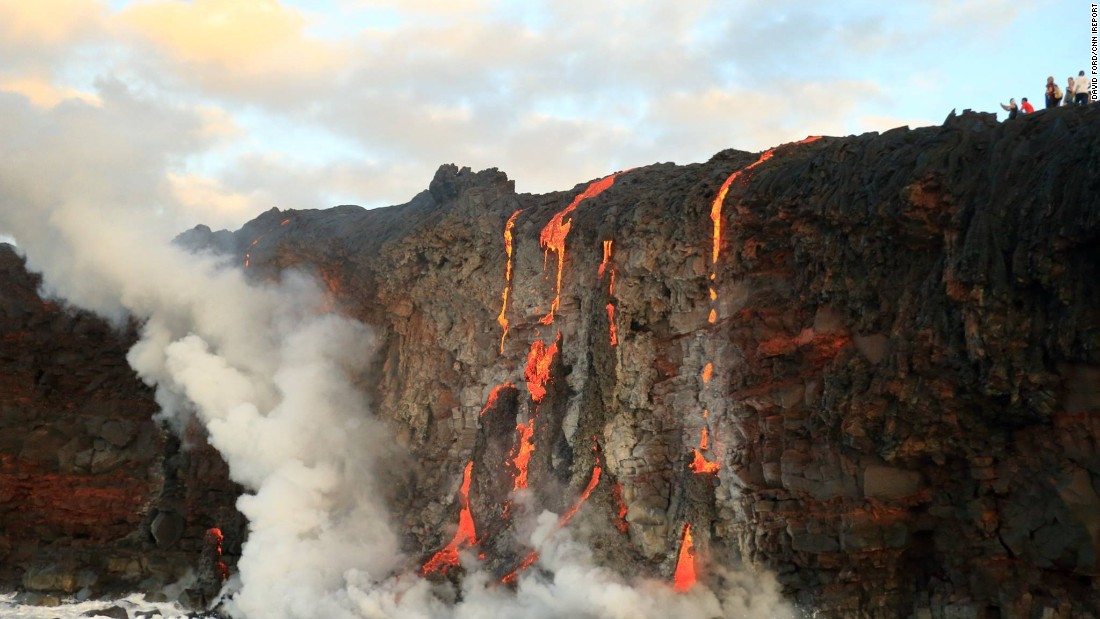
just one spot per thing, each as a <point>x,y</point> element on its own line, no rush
<point>1081,89</point>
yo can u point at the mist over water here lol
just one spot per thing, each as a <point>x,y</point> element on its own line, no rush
<point>275,380</point>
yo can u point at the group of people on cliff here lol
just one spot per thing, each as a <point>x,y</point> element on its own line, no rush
<point>1076,93</point>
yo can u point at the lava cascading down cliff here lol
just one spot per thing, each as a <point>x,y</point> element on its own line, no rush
<point>822,360</point>
<point>866,365</point>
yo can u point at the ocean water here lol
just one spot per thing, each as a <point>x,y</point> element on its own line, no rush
<point>72,609</point>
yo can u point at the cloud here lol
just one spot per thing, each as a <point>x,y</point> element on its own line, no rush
<point>108,161</point>
<point>208,201</point>
<point>234,45</point>
<point>427,7</point>
<point>47,23</point>
<point>41,92</point>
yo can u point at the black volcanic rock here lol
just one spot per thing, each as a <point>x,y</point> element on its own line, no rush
<point>84,470</point>
<point>900,386</point>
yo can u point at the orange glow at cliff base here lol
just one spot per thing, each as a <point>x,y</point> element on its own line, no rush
<point>684,577</point>
<point>464,537</point>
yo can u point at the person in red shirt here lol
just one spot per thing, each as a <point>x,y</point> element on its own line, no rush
<point>1026,107</point>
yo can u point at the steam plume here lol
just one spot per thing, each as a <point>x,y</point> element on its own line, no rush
<point>273,380</point>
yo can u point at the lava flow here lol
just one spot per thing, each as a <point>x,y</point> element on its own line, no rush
<point>537,373</point>
<point>610,268</point>
<point>524,449</point>
<point>502,319</point>
<point>256,241</point>
<point>215,538</point>
<point>716,216</point>
<point>248,254</point>
<point>684,577</point>
<point>700,464</point>
<point>465,536</point>
<point>552,237</point>
<point>617,493</point>
<point>493,395</point>
<point>530,559</point>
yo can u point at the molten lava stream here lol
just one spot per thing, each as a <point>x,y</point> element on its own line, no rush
<point>699,463</point>
<point>607,266</point>
<point>617,494</point>
<point>614,334</point>
<point>562,521</point>
<point>592,482</point>
<point>537,372</point>
<point>684,577</point>
<point>716,216</point>
<point>492,399</point>
<point>464,537</point>
<point>719,200</point>
<point>215,538</point>
<point>524,449</point>
<point>502,319</point>
<point>552,237</point>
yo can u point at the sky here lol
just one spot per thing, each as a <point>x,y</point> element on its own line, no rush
<point>212,111</point>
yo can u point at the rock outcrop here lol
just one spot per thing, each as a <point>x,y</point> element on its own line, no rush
<point>95,497</point>
<point>870,364</point>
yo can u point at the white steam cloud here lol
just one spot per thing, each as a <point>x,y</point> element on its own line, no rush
<point>272,377</point>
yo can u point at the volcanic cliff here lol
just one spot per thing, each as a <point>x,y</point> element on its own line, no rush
<point>870,365</point>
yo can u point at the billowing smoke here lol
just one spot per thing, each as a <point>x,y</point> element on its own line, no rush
<point>273,378</point>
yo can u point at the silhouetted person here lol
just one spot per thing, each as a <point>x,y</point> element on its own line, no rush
<point>1053,94</point>
<point>1011,108</point>
<point>1081,90</point>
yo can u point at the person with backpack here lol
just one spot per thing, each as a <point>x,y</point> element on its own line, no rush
<point>1054,94</point>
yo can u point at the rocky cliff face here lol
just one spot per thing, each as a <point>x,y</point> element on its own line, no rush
<point>95,497</point>
<point>870,365</point>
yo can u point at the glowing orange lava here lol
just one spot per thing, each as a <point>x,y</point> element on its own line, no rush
<point>502,319</point>
<point>700,464</point>
<point>606,257</point>
<point>716,214</point>
<point>684,577</point>
<point>617,494</point>
<point>707,372</point>
<point>256,241</point>
<point>552,237</point>
<point>493,395</point>
<point>562,521</point>
<point>611,322</point>
<point>606,266</point>
<point>526,563</point>
<point>465,536</point>
<point>524,449</point>
<point>537,373</point>
<point>248,254</point>
<point>592,482</point>
<point>215,538</point>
